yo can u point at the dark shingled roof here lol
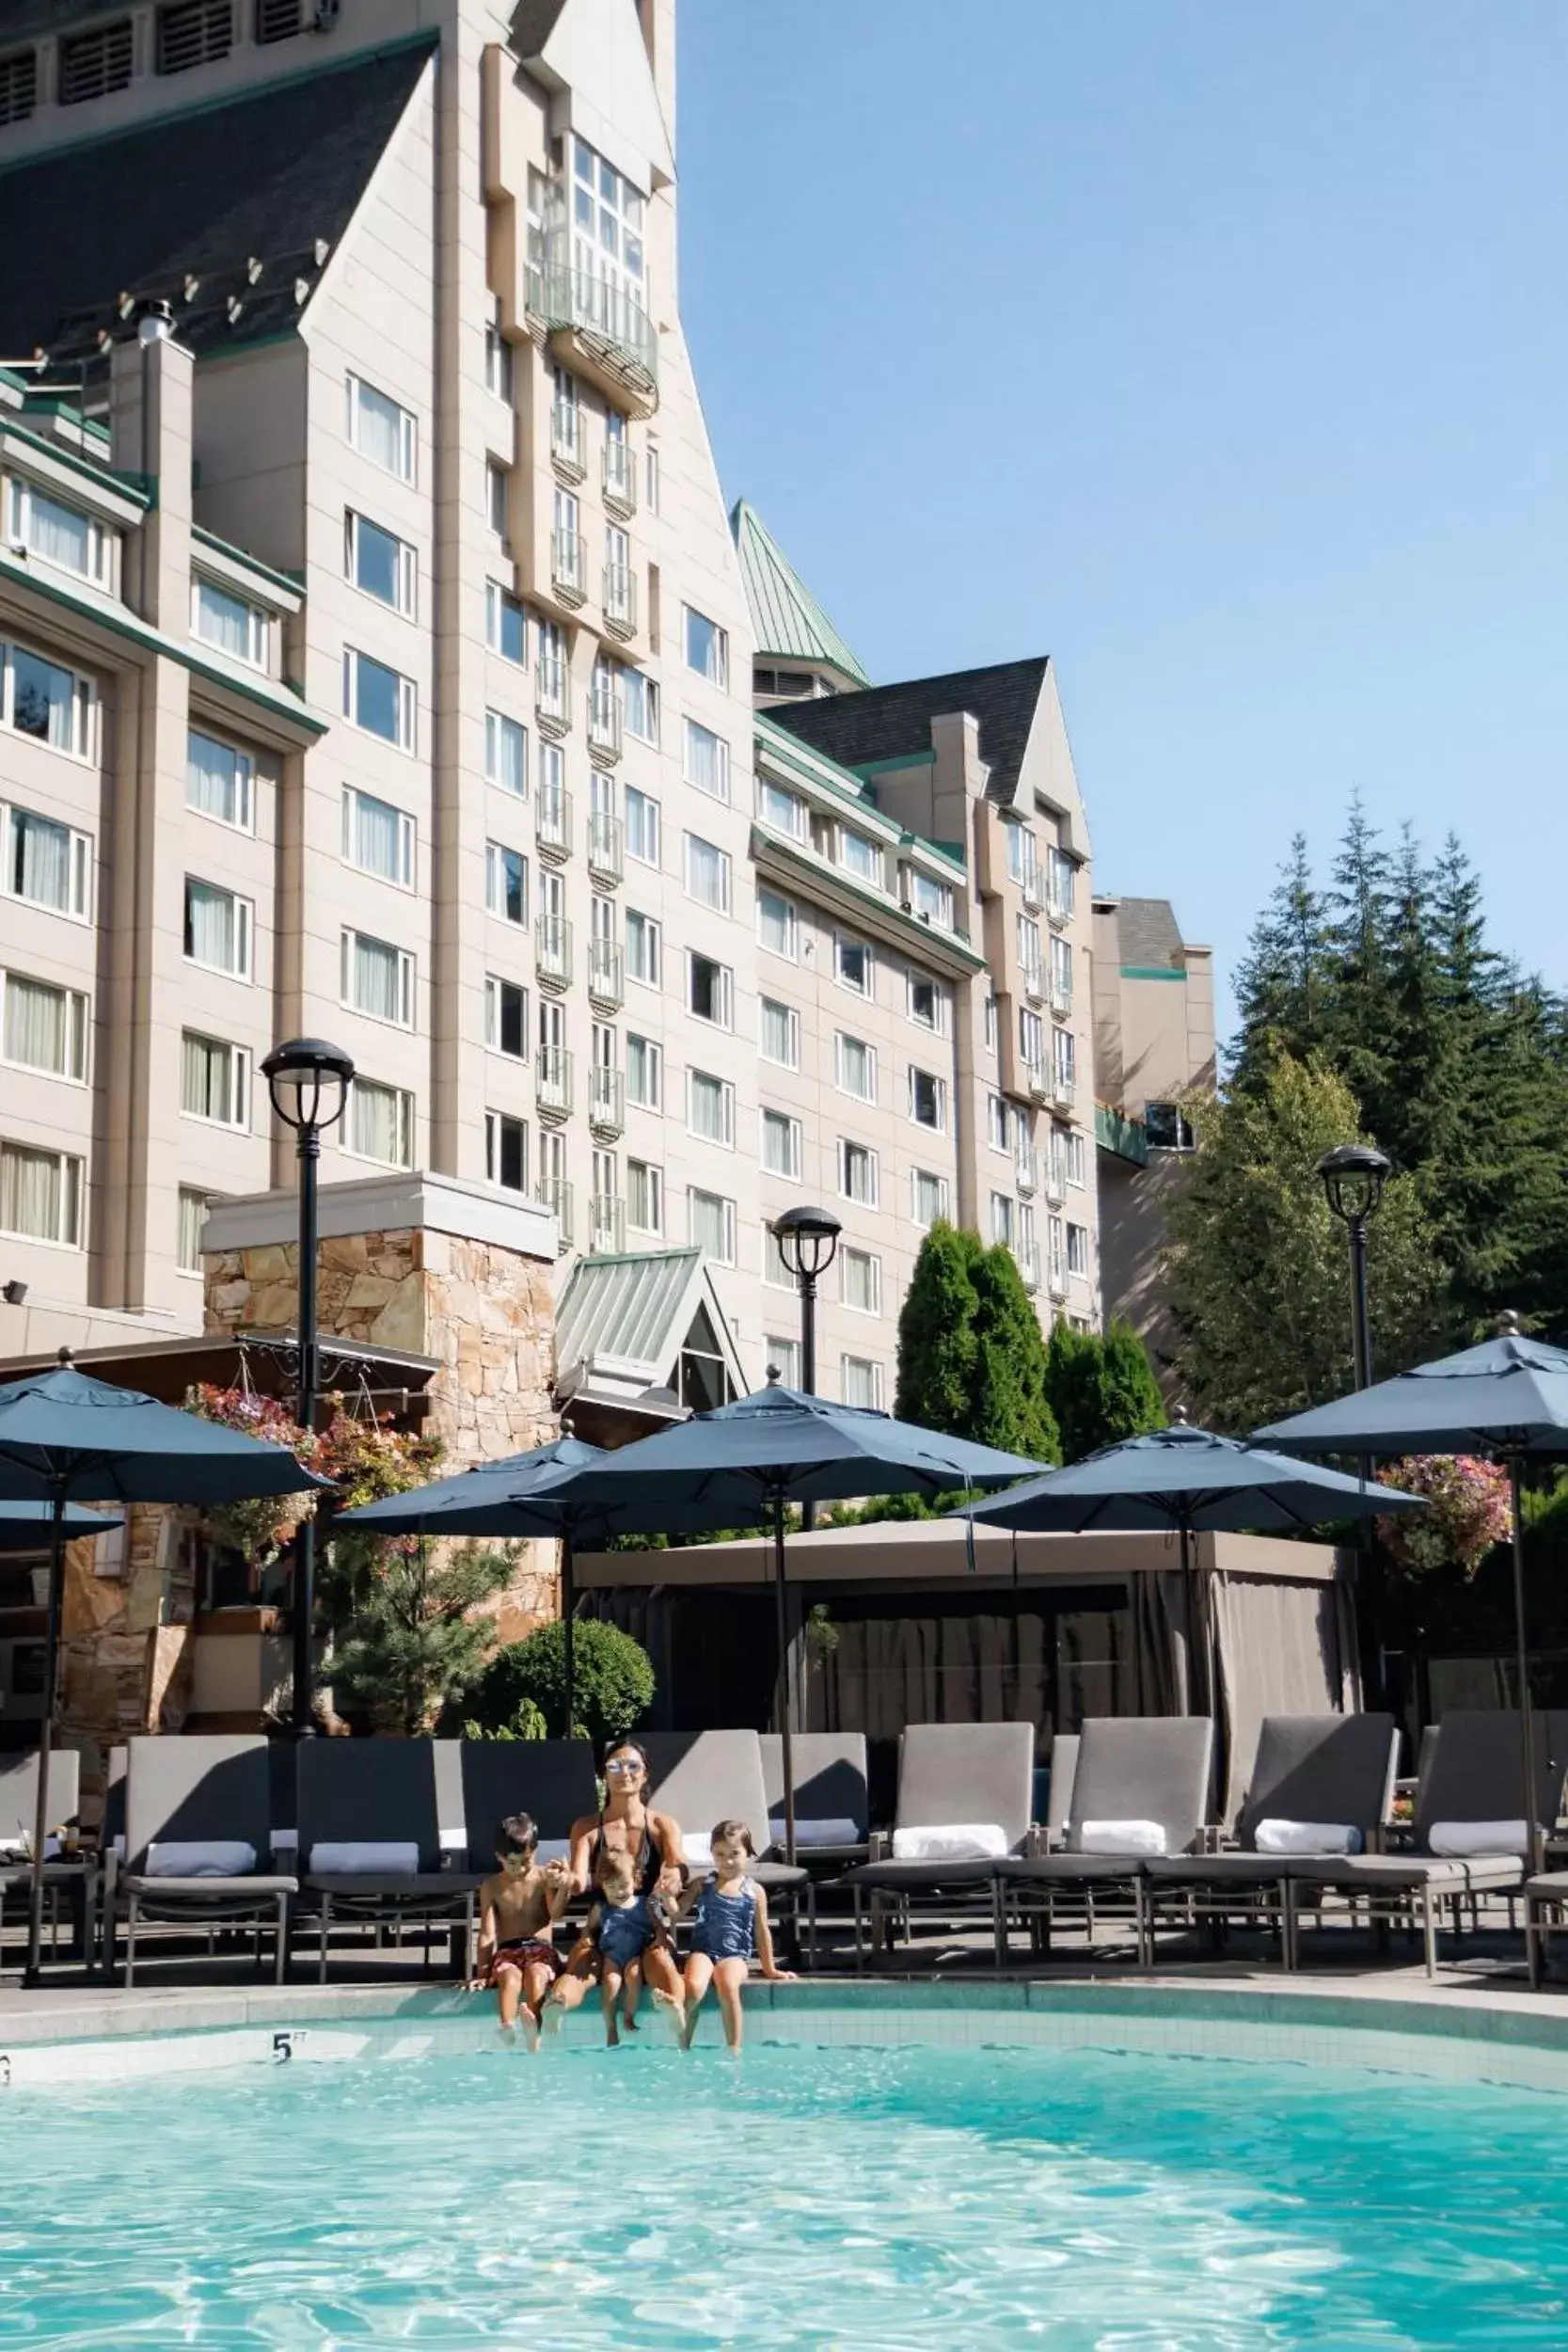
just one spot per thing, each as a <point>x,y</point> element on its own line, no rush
<point>1148,936</point>
<point>200,193</point>
<point>532,22</point>
<point>856,729</point>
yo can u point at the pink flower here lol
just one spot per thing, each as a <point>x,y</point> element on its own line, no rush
<point>1468,1514</point>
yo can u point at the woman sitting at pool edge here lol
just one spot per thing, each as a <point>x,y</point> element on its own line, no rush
<point>652,1843</point>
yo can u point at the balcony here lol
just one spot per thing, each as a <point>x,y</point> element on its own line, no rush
<point>555,1194</point>
<point>1061,995</point>
<point>1026,1257</point>
<point>1055,1178</point>
<point>1059,893</point>
<point>1063,1089</point>
<point>552,693</point>
<point>606,1100</point>
<point>1034,983</point>
<point>606,846</point>
<point>1029,881</point>
<point>620,599</point>
<point>598,329</point>
<point>552,951</point>
<point>1026,1172</point>
<point>1038,1079</point>
<point>553,1079</point>
<point>1056,1279</point>
<point>604,721</point>
<point>606,972</point>
<point>568,566</point>
<point>606,1224</point>
<point>620,477</point>
<point>552,822</point>
<point>567,440</point>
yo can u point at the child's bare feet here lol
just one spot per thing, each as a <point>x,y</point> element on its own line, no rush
<point>673,2011</point>
<point>551,2015</point>
<point>613,2040</point>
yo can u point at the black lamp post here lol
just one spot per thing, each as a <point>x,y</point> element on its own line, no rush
<point>308,1082</point>
<point>1353,1176</point>
<point>808,1244</point>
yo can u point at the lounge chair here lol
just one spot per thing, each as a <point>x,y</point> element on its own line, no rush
<point>370,1838</point>
<point>702,1777</point>
<point>1147,1774</point>
<point>1059,1795</point>
<point>968,1787</point>
<point>1474,1786</point>
<point>62,1874</point>
<point>552,1779</point>
<point>196,1807</point>
<point>833,1811</point>
<point>1328,1779</point>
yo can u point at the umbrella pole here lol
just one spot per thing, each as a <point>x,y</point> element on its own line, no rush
<point>781,1612</point>
<point>568,1606</point>
<point>46,1740</point>
<point>1527,1726</point>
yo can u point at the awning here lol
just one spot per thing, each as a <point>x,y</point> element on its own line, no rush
<point>640,1337</point>
<point>394,1381</point>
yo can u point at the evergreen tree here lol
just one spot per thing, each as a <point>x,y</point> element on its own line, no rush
<point>1281,977</point>
<point>937,1352</point>
<point>1131,1402</point>
<point>1007,1404</point>
<point>1071,1386</point>
<point>414,1640</point>
<point>1100,1389</point>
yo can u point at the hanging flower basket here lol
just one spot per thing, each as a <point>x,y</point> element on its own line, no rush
<point>259,1527</point>
<point>1468,1513</point>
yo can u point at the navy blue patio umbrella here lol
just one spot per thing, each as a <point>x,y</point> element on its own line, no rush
<point>26,1526</point>
<point>64,1437</point>
<point>1185,1479</point>
<point>1509,1397</point>
<point>748,1461</point>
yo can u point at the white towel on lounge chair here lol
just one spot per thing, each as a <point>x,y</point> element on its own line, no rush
<point>369,1858</point>
<point>1462,1838</point>
<point>1121,1838</point>
<point>201,1858</point>
<point>1279,1836</point>
<point>953,1841</point>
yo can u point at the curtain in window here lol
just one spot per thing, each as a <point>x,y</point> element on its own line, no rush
<point>193,1216</point>
<point>225,620</point>
<point>376,1123</point>
<point>374,981</point>
<point>60,535</point>
<point>30,1188</point>
<point>707,1223</point>
<point>43,695</point>
<point>42,860</point>
<point>212,779</point>
<point>374,837</point>
<point>212,925</point>
<point>380,429</point>
<point>36,1030</point>
<point>204,1078</point>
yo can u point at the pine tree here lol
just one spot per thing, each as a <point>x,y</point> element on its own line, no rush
<point>1071,1386</point>
<point>1281,977</point>
<point>1008,1406</point>
<point>1131,1402</point>
<point>1100,1389</point>
<point>937,1353</point>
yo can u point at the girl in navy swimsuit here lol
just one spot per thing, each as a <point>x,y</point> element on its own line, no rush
<point>729,1927</point>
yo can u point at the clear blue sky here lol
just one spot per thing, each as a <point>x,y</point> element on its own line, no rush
<point>1217,347</point>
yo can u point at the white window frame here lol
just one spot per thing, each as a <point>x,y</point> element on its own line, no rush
<point>407,468</point>
<point>495,855</point>
<point>496,724</point>
<point>494,983</point>
<point>940,1128</point>
<point>868,1259</point>
<point>1077,1240</point>
<point>653,1191</point>
<point>652,1057</point>
<point>850,939</point>
<point>499,601</point>
<point>258,623</point>
<point>877,878</point>
<point>203,1200</point>
<point>245,929</point>
<point>78,1029</point>
<point>403,1019</point>
<point>407,712</point>
<point>78,862</point>
<point>719,789</point>
<point>1075,1159</point>
<point>791,953</point>
<point>82,745</point>
<point>794,822</point>
<point>841,1038</point>
<point>873,1197</point>
<point>494,1123</point>
<point>407,593</point>
<point>407,1117</point>
<point>498,495</point>
<point>864,1363</point>
<point>407,852</point>
<point>940,895</point>
<point>937,1025</point>
<point>239,1082</point>
<point>726,1108</point>
<point>497,358</point>
<point>727,1220</point>
<point>794,1138</point>
<point>102,538</point>
<point>719,674</point>
<point>997,1124</point>
<point>653,822</point>
<point>652,930</point>
<point>725,1019</point>
<point>927,1176</point>
<point>793,1018</point>
<point>783,1356</point>
<point>73,1195</point>
<point>722,904</point>
<point>244,783</point>
<point>650,697</point>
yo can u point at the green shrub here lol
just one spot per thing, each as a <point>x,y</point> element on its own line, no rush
<point>612,1682</point>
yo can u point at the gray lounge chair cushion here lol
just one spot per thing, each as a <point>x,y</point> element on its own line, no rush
<point>701,1777</point>
<point>198,1789</point>
<point>910,1877</point>
<point>218,1890</point>
<point>1143,1768</point>
<point>19,1789</point>
<point>1068,1869</point>
<point>1476,1770</point>
<point>1547,1887</point>
<point>956,1772</point>
<point>371,1792</point>
<point>830,1782</point>
<point>1321,1767</point>
<point>779,1878</point>
<point>417,1886</point>
<point>814,1834</point>
<point>1381,1873</point>
<point>1221,1870</point>
<point>552,1780</point>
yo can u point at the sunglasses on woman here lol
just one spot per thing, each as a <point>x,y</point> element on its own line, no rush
<point>622,1764</point>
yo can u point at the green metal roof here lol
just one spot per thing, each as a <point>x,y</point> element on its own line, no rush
<point>790,624</point>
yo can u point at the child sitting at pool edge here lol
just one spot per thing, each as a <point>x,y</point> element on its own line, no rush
<point>729,1925</point>
<point>626,1936</point>
<point>519,1908</point>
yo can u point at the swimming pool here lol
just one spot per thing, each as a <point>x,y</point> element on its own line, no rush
<point>827,2190</point>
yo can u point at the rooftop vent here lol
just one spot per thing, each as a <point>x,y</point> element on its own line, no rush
<point>19,86</point>
<point>278,20</point>
<point>194,32</point>
<point>95,62</point>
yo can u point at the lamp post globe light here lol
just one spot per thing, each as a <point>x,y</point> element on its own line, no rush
<point>308,1082</point>
<point>808,1244</point>
<point>1354,1175</point>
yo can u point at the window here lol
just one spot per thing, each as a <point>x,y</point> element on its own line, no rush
<point>192,1215</point>
<point>43,1027</point>
<point>380,1123</point>
<point>506,1151</point>
<point>567,553</point>
<point>859,856</point>
<point>784,1357</point>
<point>1074,1156</point>
<point>505,625</point>
<point>781,1144</point>
<point>377,561</point>
<point>381,429</point>
<point>650,479</point>
<point>706,762</point>
<point>784,811</point>
<point>996,1122</point>
<point>709,990</point>
<point>928,1100</point>
<point>1021,850</point>
<point>51,703</point>
<point>60,534</point>
<point>857,1172</point>
<point>377,838</point>
<point>505,1017</point>
<point>497,360</point>
<point>41,1193</point>
<point>708,647</point>
<point>377,979</point>
<point>620,471</point>
<point>928,1196</point>
<point>859,1282</point>
<point>45,864</point>
<point>1002,1225</point>
<point>1077,1248</point>
<point>708,874</point>
<point>711,1225</point>
<point>218,929</point>
<point>566,441</point>
<point>606,225</point>
<point>92,64</point>
<point>642,948</point>
<point>19,86</point>
<point>779,1033</point>
<point>1168,1128</point>
<point>852,964</point>
<point>639,697</point>
<point>644,1197</point>
<point>778,925</point>
<point>932,900</point>
<point>710,1107</point>
<point>618,586</point>
<point>644,1073</point>
<point>1027,940</point>
<point>506,753</point>
<point>220,782</point>
<point>860,1382</point>
<point>231,624</point>
<point>992,1023</point>
<point>506,883</point>
<point>194,32</point>
<point>643,827</point>
<point>1064,1057</point>
<point>1061,969</point>
<point>496,496</point>
<point>1061,877</point>
<point>855,1065</point>
<point>1031,1040</point>
<point>927,1004</point>
<point>378,699</point>
<point>214,1081</point>
<point>774,1271</point>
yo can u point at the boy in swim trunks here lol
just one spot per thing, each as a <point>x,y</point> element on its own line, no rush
<point>519,1908</point>
<point>622,1926</point>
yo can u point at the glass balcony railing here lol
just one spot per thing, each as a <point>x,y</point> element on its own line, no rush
<point>605,720</point>
<point>552,949</point>
<point>1063,1089</point>
<point>605,846</point>
<point>606,1215</point>
<point>566,435</point>
<point>603,315</point>
<point>552,690</point>
<point>607,982</point>
<point>567,568</point>
<point>554,1079</point>
<point>620,596</point>
<point>1027,1259</point>
<point>1026,1172</point>
<point>555,1193</point>
<point>606,1098</point>
<point>620,476</point>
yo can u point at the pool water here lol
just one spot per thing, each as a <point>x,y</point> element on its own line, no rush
<point>879,2198</point>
